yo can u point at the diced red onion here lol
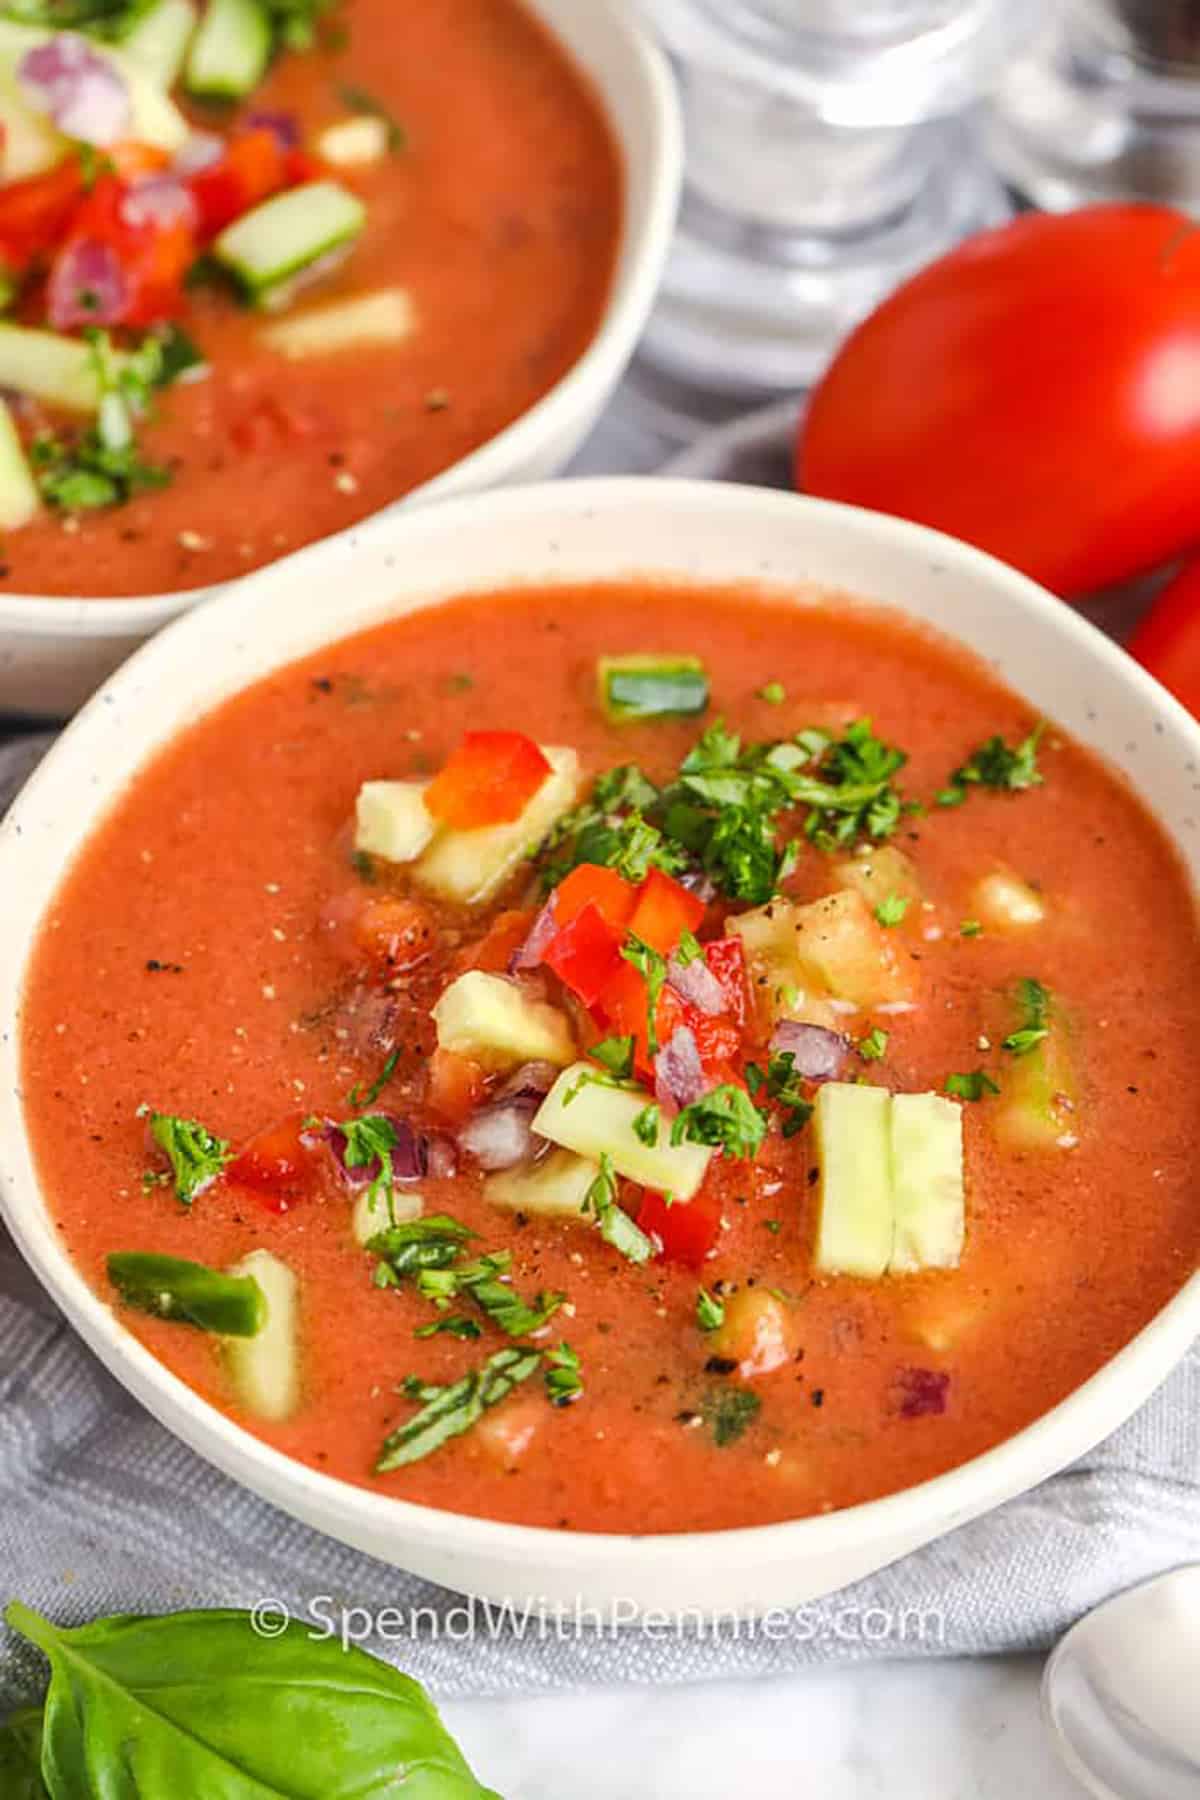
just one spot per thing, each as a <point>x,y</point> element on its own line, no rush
<point>441,1155</point>
<point>410,1155</point>
<point>283,125</point>
<point>529,954</point>
<point>161,201</point>
<point>817,1053</point>
<point>201,151</point>
<point>532,1081</point>
<point>501,1135</point>
<point>83,93</point>
<point>678,1072</point>
<point>923,1392</point>
<point>696,983</point>
<point>87,286</point>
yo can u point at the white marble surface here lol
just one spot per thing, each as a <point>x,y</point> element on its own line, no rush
<point>926,1731</point>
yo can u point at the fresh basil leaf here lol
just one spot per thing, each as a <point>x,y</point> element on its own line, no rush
<point>198,1706</point>
<point>449,1411</point>
<point>21,1756</point>
<point>614,1223</point>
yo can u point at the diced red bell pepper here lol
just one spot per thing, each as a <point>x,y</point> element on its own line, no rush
<point>34,213</point>
<point>664,911</point>
<point>586,954</point>
<point>154,255</point>
<point>487,781</point>
<point>272,423</point>
<point>687,1230</point>
<point>278,1165</point>
<point>726,959</point>
<point>255,165</point>
<point>613,897</point>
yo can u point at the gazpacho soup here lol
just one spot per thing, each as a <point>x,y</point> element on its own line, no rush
<point>627,1057</point>
<point>266,265</point>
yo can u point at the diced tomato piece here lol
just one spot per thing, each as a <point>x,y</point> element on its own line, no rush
<point>726,959</point>
<point>718,1037</point>
<point>613,897</point>
<point>273,423</point>
<point>623,1007</point>
<point>456,1085</point>
<point>487,781</point>
<point>664,911</point>
<point>278,1165</point>
<point>255,166</point>
<point>687,1230</point>
<point>396,931</point>
<point>34,213</point>
<point>504,936</point>
<point>586,954</point>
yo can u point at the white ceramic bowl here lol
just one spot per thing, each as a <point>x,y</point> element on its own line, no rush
<point>582,531</point>
<point>55,652</point>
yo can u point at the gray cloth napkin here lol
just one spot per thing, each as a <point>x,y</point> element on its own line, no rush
<point>101,1510</point>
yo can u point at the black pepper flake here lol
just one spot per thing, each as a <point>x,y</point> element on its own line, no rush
<point>720,1365</point>
<point>155,967</point>
<point>814,1175</point>
<point>323,684</point>
<point>818,1396</point>
<point>5,571</point>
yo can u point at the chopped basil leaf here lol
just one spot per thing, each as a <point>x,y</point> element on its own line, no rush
<point>645,1126</point>
<point>726,1118</point>
<point>449,1411</point>
<point>974,1086</point>
<point>482,1282</point>
<point>728,1413</point>
<point>995,765</point>
<point>1034,1001</point>
<point>615,1225</point>
<point>892,908</point>
<point>371,1139</point>
<point>452,1325</point>
<point>616,1055</point>
<point>970,928</point>
<point>435,1242</point>
<point>872,1047</point>
<point>562,1375</point>
<point>710,1312</point>
<point>774,693</point>
<point>359,1097</point>
<point>195,1154</point>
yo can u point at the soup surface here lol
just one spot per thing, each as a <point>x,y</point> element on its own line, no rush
<point>990,919</point>
<point>492,196</point>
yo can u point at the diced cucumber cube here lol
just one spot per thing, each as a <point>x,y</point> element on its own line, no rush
<point>490,1020</point>
<point>1037,1108</point>
<point>391,820</point>
<point>855,1217</point>
<point>265,1369</point>
<point>469,866</point>
<point>265,249</point>
<point>1003,902</point>
<point>376,1209</point>
<point>652,687</point>
<point>385,317</point>
<point>840,943</point>
<point>31,144</point>
<point>352,142</point>
<point>230,51</point>
<point>19,501</point>
<point>587,1115</point>
<point>554,1188</point>
<point>158,39</point>
<point>879,874</point>
<point>928,1191</point>
<point>58,370</point>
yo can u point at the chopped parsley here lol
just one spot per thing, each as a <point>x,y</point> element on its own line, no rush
<point>614,1223</point>
<point>1034,1001</point>
<point>974,1086</point>
<point>563,1376</point>
<point>995,765</point>
<point>103,465</point>
<point>874,1046</point>
<point>449,1411</point>
<point>371,1139</point>
<point>360,1097</point>
<point>728,1413</point>
<point>892,908</point>
<point>616,1055</point>
<point>651,965</point>
<point>726,1118</point>
<point>848,788</point>
<point>710,1312</point>
<point>779,1082</point>
<point>196,1155</point>
<point>970,928</point>
<point>774,693</point>
<point>646,1124</point>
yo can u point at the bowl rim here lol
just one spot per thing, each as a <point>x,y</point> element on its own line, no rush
<point>641,254</point>
<point>894,1521</point>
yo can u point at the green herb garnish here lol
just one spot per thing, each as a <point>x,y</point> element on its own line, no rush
<point>726,1118</point>
<point>103,465</point>
<point>994,765</point>
<point>450,1325</point>
<point>729,1412</point>
<point>646,1124</point>
<point>970,928</point>
<point>974,1086</point>
<point>196,1155</point>
<point>482,1282</point>
<point>874,1046</point>
<point>616,1055</point>
<point>779,1082</point>
<point>710,1312</point>
<point>360,100</point>
<point>449,1411</point>
<point>651,965</point>
<point>360,1096</point>
<point>563,1376</point>
<point>892,908</point>
<point>1034,1002</point>
<point>774,693</point>
<point>435,1242</point>
<point>614,1223</point>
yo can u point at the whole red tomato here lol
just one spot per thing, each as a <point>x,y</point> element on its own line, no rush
<point>1168,639</point>
<point>1036,392</point>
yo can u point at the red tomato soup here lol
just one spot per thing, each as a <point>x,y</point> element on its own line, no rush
<point>453,193</point>
<point>695,1088</point>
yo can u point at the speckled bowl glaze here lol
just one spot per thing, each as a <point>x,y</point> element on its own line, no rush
<point>55,652</point>
<point>583,531</point>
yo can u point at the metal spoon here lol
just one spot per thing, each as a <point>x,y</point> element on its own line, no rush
<point>1121,1693</point>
